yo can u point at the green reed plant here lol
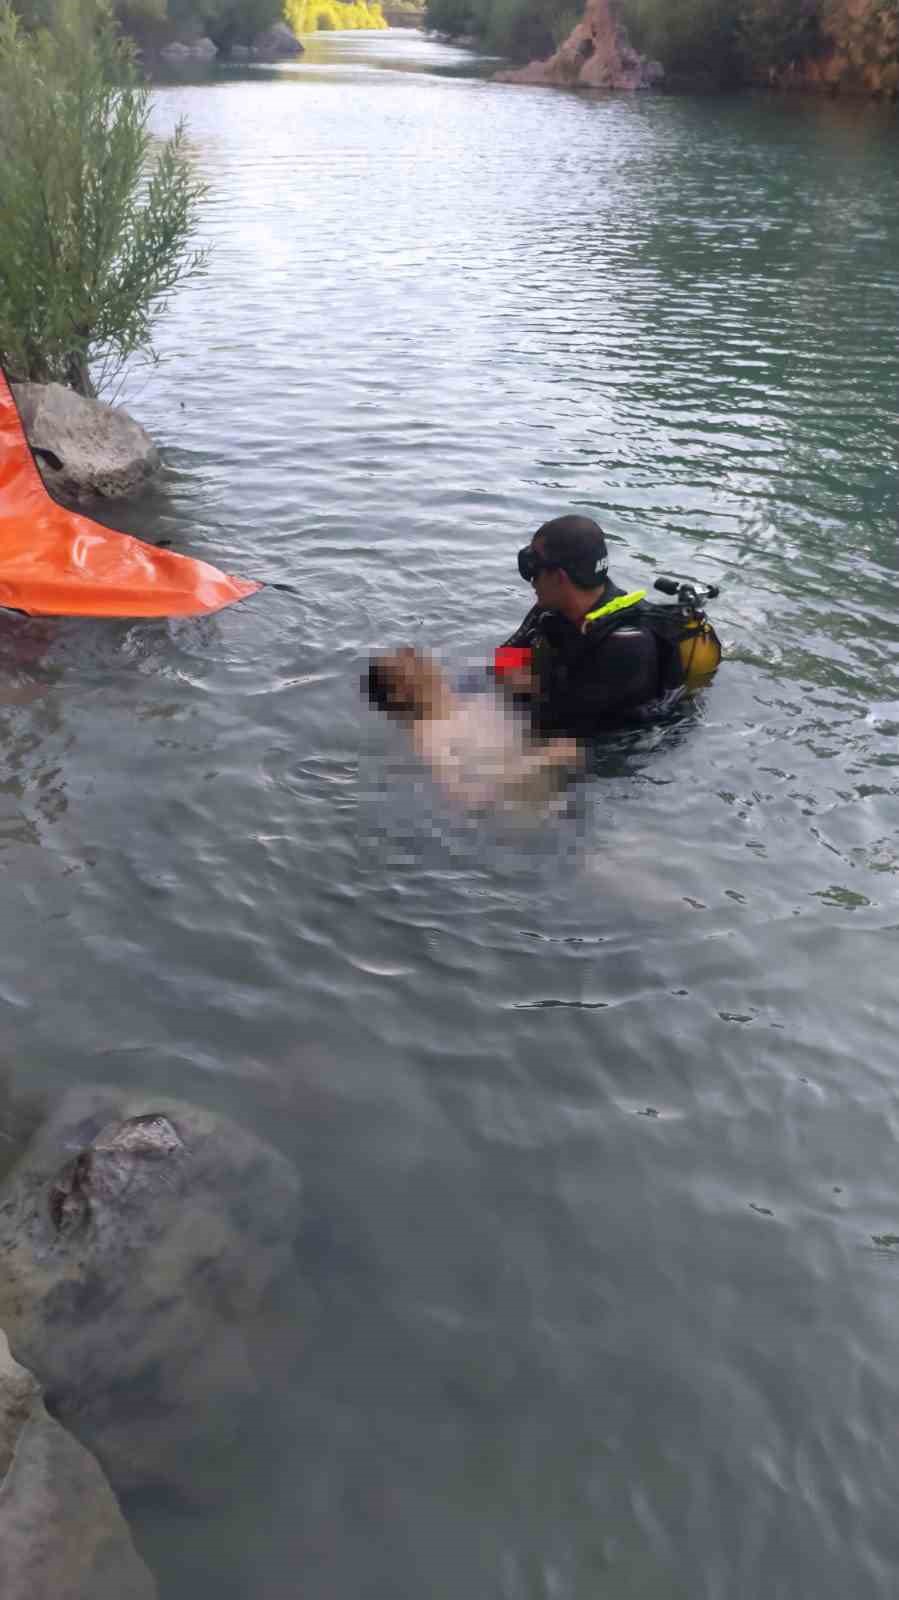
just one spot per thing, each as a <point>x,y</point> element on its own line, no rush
<point>96,217</point>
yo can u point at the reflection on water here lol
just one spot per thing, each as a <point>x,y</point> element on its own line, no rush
<point>546,1342</point>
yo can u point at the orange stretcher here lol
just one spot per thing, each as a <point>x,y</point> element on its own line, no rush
<point>54,562</point>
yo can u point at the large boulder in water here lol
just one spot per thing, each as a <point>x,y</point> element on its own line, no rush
<point>85,449</point>
<point>138,1242</point>
<point>61,1531</point>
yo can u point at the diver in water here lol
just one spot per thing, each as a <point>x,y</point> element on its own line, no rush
<point>587,658</point>
<point>596,657</point>
<point>479,752</point>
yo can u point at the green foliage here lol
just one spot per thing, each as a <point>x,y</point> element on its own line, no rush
<point>229,22</point>
<point>41,13</point>
<point>687,36</point>
<point>523,29</point>
<point>95,219</point>
<point>154,22</point>
<point>325,16</point>
<point>527,29</point>
<point>864,33</point>
<point>564,23</point>
<point>452,17</point>
<point>774,32</point>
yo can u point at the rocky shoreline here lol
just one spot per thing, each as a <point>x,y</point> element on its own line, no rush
<point>133,1277</point>
<point>62,1533</point>
<point>597,54</point>
<point>277,43</point>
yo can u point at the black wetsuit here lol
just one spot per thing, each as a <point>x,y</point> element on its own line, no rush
<point>608,676</point>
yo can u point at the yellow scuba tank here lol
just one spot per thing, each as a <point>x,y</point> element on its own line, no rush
<point>698,645</point>
<point>699,649</point>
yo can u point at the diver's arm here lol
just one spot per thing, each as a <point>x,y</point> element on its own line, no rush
<point>527,630</point>
<point>521,682</point>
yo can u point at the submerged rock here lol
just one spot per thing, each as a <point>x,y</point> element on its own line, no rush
<point>596,55</point>
<point>84,448</point>
<point>137,1245</point>
<point>62,1534</point>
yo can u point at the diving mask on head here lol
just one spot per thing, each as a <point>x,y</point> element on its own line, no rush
<point>531,564</point>
<point>587,570</point>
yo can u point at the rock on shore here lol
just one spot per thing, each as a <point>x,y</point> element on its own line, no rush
<point>138,1241</point>
<point>196,50</point>
<point>596,55</point>
<point>62,1535</point>
<point>277,43</point>
<point>84,449</point>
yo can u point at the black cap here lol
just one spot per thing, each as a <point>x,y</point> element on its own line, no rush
<point>578,545</point>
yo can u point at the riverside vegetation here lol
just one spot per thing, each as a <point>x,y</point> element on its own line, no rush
<point>96,217</point>
<point>153,23</point>
<point>228,23</point>
<point>724,42</point>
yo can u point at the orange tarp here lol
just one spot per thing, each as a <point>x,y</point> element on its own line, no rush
<point>55,562</point>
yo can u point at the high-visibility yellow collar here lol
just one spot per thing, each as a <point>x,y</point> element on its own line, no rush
<point>620,602</point>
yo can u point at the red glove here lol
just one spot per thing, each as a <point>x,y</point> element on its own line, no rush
<point>511,658</point>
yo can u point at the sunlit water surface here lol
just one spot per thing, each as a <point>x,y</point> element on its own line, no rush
<point>596,1112</point>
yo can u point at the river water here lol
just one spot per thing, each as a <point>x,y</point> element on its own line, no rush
<point>597,1109</point>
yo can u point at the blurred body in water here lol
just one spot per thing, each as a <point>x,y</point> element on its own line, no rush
<point>481,754</point>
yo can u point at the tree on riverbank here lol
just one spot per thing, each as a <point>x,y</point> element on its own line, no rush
<point>96,217</point>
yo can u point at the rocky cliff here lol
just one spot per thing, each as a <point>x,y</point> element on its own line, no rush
<point>596,55</point>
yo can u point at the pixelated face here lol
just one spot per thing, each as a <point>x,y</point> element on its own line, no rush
<point>413,681</point>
